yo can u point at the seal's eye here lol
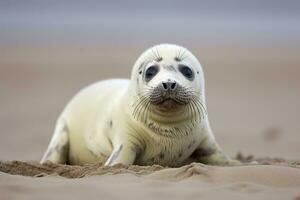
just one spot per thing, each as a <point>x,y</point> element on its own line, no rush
<point>151,72</point>
<point>186,71</point>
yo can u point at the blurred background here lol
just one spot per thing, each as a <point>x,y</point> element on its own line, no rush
<point>250,52</point>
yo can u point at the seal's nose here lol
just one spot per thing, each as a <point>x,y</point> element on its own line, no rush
<point>169,85</point>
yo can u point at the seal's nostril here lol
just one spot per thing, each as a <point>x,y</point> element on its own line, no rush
<point>169,85</point>
<point>173,85</point>
<point>165,85</point>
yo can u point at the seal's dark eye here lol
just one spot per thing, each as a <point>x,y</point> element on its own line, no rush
<point>151,72</point>
<point>186,71</point>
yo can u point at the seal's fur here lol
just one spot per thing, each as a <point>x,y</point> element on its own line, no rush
<point>159,116</point>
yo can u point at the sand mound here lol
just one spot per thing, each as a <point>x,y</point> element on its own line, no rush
<point>270,179</point>
<point>268,175</point>
<point>71,171</point>
<point>35,169</point>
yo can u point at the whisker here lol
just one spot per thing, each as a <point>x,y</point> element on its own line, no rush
<point>147,110</point>
<point>139,107</point>
<point>140,103</point>
<point>154,54</point>
<point>191,111</point>
<point>196,110</point>
<point>183,56</point>
<point>201,104</point>
<point>159,56</point>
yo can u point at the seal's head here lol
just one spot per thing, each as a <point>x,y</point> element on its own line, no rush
<point>168,79</point>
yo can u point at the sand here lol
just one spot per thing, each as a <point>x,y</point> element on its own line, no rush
<point>268,179</point>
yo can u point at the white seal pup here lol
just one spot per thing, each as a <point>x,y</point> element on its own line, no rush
<point>159,116</point>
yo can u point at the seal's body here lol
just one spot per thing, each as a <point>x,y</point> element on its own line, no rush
<point>157,117</point>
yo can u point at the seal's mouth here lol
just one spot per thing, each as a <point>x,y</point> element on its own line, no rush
<point>169,100</point>
<point>168,103</point>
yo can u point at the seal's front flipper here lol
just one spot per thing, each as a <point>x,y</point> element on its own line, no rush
<point>58,148</point>
<point>123,154</point>
<point>210,153</point>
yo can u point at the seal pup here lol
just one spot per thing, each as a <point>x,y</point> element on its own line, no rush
<point>159,116</point>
